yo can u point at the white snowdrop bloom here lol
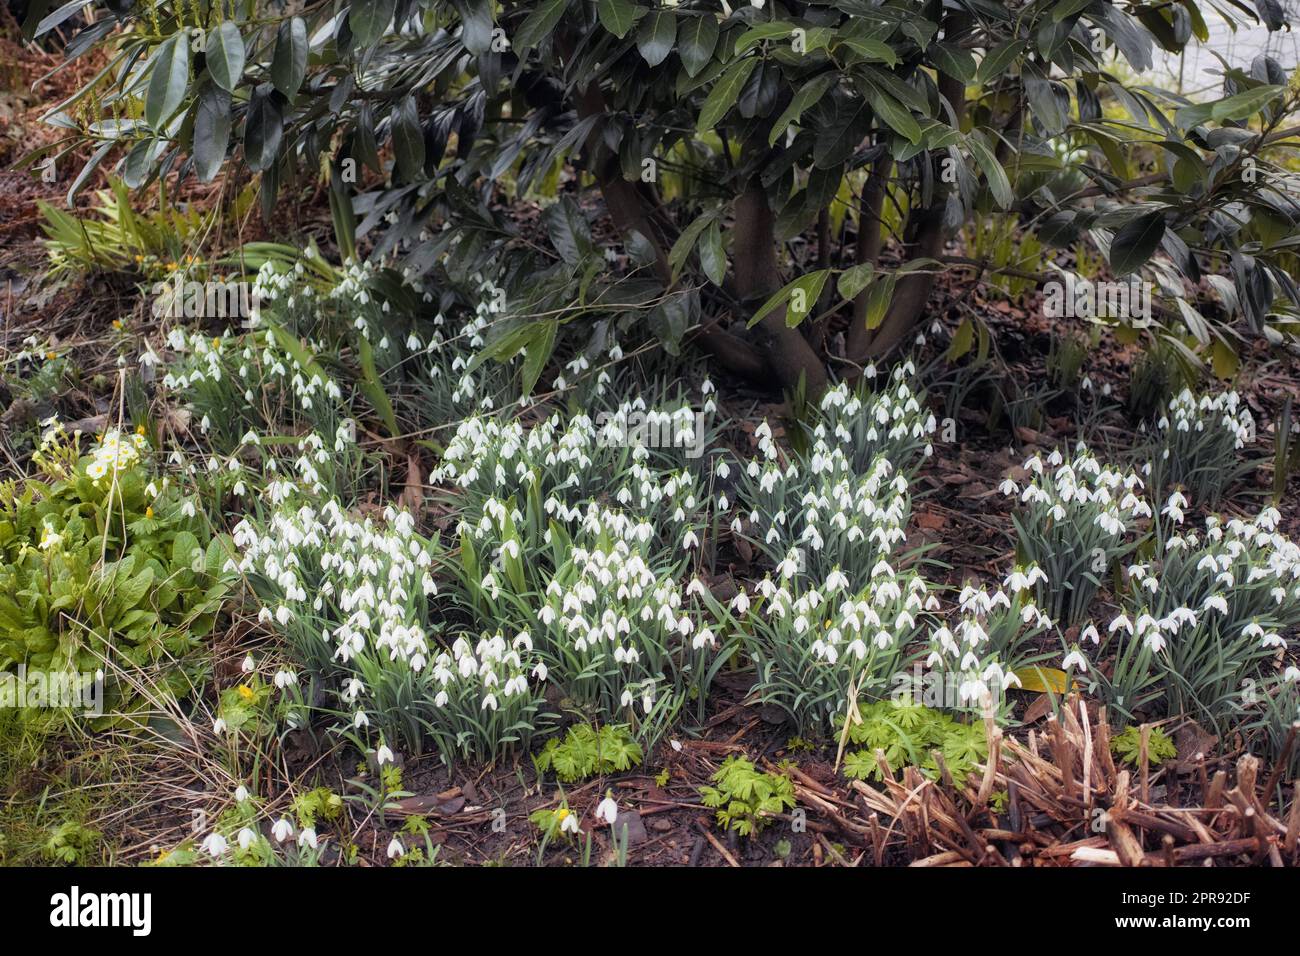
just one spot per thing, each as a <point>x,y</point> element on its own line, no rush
<point>1217,603</point>
<point>395,848</point>
<point>219,726</point>
<point>383,755</point>
<point>307,838</point>
<point>1075,660</point>
<point>215,845</point>
<point>246,838</point>
<point>607,810</point>
<point>282,830</point>
<point>241,793</point>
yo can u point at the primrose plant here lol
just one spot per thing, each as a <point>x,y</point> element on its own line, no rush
<point>1072,525</point>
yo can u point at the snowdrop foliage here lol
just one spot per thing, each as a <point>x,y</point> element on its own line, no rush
<point>234,383</point>
<point>617,633</point>
<point>816,516</point>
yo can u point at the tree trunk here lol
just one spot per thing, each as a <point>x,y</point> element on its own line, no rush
<point>871,239</point>
<point>927,236</point>
<point>631,212</point>
<point>758,275</point>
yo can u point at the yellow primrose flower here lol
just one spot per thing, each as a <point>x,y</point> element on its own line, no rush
<point>139,429</point>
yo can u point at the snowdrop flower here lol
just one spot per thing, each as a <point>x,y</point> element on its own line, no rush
<point>241,793</point>
<point>383,755</point>
<point>307,838</point>
<point>395,848</point>
<point>246,838</point>
<point>607,810</point>
<point>282,830</point>
<point>214,844</point>
<point>219,726</point>
<point>1075,659</point>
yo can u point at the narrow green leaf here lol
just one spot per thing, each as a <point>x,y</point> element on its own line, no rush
<point>225,55</point>
<point>408,140</point>
<point>713,259</point>
<point>854,279</point>
<point>369,19</point>
<point>168,80</point>
<point>798,297</point>
<point>618,16</point>
<point>808,94</point>
<point>681,250</point>
<point>696,39</point>
<point>211,132</point>
<point>540,23</point>
<point>373,386</point>
<point>1136,241</point>
<point>289,63</point>
<point>725,92</point>
<point>999,185</point>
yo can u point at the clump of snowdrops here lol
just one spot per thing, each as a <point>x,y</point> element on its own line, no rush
<point>1201,623</point>
<point>1074,521</point>
<point>818,649</point>
<point>621,639</point>
<point>972,664</point>
<point>354,601</point>
<point>867,423</point>
<point>817,514</point>
<point>1198,445</point>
